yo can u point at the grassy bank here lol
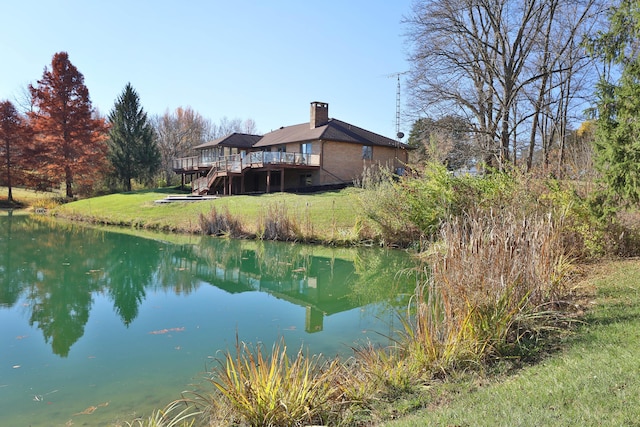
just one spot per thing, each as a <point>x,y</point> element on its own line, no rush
<point>593,380</point>
<point>325,217</point>
<point>26,199</point>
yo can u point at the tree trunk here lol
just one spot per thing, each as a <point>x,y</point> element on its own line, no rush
<point>68,181</point>
<point>8,157</point>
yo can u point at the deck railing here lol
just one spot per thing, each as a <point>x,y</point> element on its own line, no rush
<point>238,162</point>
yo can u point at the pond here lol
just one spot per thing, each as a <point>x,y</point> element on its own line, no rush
<point>100,326</point>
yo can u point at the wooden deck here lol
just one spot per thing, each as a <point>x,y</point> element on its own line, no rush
<point>237,165</point>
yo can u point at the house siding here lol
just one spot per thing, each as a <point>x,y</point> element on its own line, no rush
<point>344,162</point>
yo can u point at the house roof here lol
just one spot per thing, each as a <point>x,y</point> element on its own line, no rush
<point>237,140</point>
<point>334,130</point>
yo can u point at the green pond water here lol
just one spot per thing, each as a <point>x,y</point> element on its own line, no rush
<point>98,327</point>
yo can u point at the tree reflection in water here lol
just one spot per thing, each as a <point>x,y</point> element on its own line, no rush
<point>58,268</point>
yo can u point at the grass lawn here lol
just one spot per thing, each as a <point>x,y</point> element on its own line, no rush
<point>323,214</point>
<point>593,381</point>
<point>24,198</point>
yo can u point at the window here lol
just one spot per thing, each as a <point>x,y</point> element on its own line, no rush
<point>305,148</point>
<point>282,149</point>
<point>367,152</point>
<point>305,152</point>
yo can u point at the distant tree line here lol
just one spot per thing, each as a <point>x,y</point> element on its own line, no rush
<point>60,141</point>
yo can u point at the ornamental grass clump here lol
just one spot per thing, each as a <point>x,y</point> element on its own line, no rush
<point>386,372</point>
<point>274,389</point>
<point>176,414</point>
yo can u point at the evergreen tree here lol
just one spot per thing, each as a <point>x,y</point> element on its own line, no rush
<point>617,142</point>
<point>133,151</point>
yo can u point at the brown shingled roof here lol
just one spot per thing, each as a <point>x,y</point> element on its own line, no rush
<point>334,130</point>
<point>237,140</point>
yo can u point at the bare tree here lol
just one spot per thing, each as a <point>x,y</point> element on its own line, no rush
<point>178,132</point>
<point>181,130</point>
<point>482,59</point>
<point>249,126</point>
<point>446,140</point>
<point>565,75</point>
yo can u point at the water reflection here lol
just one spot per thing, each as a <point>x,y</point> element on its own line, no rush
<point>56,270</point>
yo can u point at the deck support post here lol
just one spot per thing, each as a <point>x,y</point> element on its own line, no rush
<point>281,180</point>
<point>268,180</point>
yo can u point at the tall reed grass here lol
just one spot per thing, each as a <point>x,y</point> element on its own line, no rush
<point>489,272</point>
<point>221,223</point>
<point>277,224</point>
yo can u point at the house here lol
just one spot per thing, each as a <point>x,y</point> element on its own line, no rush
<point>325,152</point>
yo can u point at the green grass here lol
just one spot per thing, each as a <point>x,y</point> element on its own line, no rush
<point>23,198</point>
<point>329,215</point>
<point>593,381</point>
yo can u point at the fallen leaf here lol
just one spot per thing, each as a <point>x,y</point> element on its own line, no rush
<point>90,410</point>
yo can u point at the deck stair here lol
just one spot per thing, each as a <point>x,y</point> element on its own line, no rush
<point>202,185</point>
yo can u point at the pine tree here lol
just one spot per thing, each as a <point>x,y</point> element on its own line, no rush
<point>133,151</point>
<point>69,140</point>
<point>617,138</point>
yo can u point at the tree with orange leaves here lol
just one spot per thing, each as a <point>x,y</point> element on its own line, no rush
<point>14,139</point>
<point>70,141</point>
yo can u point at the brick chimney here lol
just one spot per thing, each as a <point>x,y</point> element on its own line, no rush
<point>319,114</point>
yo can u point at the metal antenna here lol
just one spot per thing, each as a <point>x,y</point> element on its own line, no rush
<point>399,134</point>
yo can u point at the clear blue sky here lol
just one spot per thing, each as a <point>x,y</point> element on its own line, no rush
<point>264,60</point>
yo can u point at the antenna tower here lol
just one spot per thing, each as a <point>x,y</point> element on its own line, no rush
<point>399,135</point>
<point>398,110</point>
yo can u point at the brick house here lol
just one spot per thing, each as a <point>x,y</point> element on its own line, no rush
<point>325,152</point>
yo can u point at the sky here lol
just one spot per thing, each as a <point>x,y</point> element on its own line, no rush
<point>245,59</point>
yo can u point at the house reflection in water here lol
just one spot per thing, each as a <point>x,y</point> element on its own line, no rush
<point>324,284</point>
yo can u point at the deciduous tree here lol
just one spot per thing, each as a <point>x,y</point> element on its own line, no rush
<point>498,63</point>
<point>178,132</point>
<point>15,134</point>
<point>70,140</point>
<point>181,130</point>
<point>447,140</point>
<point>133,151</point>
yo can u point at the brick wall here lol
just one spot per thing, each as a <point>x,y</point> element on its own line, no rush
<point>343,161</point>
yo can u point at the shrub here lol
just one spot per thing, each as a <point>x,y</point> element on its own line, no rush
<point>409,207</point>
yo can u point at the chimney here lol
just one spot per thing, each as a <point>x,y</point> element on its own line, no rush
<point>319,114</point>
